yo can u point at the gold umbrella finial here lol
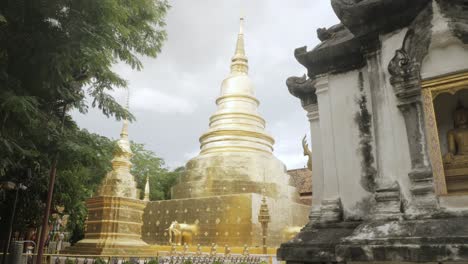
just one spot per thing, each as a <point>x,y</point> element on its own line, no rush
<point>239,62</point>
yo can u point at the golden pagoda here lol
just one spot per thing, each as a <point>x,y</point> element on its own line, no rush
<point>115,213</point>
<point>218,198</point>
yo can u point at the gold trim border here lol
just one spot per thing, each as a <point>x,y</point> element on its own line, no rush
<point>431,88</point>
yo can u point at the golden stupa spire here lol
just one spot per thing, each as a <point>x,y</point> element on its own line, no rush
<point>120,182</point>
<point>237,125</point>
<point>147,190</point>
<point>239,62</point>
<point>124,132</point>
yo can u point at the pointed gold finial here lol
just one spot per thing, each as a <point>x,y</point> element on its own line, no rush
<point>239,61</point>
<point>123,142</point>
<point>147,190</point>
<point>124,132</point>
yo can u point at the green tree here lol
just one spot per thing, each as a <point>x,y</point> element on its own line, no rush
<point>147,164</point>
<point>53,55</point>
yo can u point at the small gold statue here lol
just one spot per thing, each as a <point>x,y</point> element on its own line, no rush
<point>307,152</point>
<point>227,250</point>
<point>214,249</point>
<point>246,252</point>
<point>199,250</point>
<point>173,249</point>
<point>175,234</point>
<point>456,159</point>
<point>457,138</point>
<point>185,248</point>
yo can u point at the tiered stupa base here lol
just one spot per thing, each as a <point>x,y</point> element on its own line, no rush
<point>113,228</point>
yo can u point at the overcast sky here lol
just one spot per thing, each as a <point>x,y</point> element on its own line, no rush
<point>174,95</point>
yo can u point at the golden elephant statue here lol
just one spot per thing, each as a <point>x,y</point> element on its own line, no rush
<point>180,234</point>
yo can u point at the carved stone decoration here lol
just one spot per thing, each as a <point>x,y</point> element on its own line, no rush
<point>340,51</point>
<point>405,78</point>
<point>307,152</point>
<point>457,13</point>
<point>302,88</point>
<point>324,34</point>
<point>369,17</point>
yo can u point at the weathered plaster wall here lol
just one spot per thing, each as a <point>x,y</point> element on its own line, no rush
<point>345,93</point>
<point>447,54</point>
<point>395,145</point>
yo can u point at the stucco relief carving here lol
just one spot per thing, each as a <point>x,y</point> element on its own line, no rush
<point>302,88</point>
<point>457,13</point>
<point>367,17</point>
<point>404,69</point>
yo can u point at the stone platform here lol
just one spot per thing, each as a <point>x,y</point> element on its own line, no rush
<point>424,240</point>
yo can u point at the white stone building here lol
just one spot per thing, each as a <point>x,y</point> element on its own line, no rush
<point>390,183</point>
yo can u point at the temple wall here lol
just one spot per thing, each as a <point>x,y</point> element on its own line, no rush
<point>447,54</point>
<point>345,94</point>
<point>223,219</point>
<point>395,133</point>
<point>375,76</point>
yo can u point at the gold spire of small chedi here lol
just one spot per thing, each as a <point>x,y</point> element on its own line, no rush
<point>120,182</point>
<point>147,190</point>
<point>115,213</point>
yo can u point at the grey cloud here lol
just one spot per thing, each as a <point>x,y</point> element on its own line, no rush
<point>195,59</point>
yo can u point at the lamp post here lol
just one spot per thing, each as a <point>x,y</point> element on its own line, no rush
<point>17,187</point>
<point>264,219</point>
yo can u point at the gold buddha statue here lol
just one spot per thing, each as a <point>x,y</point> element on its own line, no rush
<point>456,159</point>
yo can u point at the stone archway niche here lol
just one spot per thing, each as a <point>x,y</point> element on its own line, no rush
<point>440,97</point>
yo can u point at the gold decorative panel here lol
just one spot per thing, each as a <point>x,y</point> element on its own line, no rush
<point>224,219</point>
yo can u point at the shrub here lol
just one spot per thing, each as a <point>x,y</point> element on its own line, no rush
<point>99,261</point>
<point>153,261</point>
<point>69,261</point>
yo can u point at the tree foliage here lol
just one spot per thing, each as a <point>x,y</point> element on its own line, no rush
<point>56,56</point>
<point>147,165</point>
<point>54,53</point>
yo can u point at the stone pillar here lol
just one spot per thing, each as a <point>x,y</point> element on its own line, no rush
<point>331,205</point>
<point>314,94</point>
<point>407,87</point>
<point>386,190</point>
<point>317,165</point>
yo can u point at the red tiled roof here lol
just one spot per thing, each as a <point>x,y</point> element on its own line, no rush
<point>302,180</point>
